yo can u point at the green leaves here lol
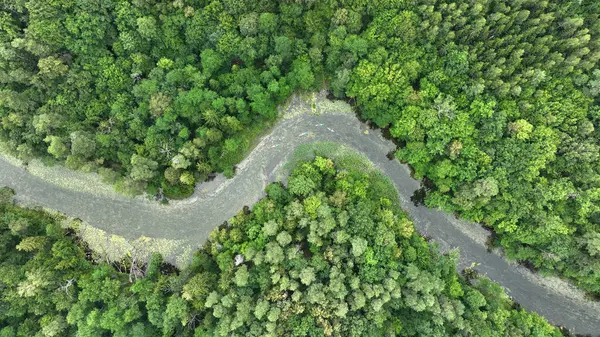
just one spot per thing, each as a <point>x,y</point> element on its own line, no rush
<point>241,276</point>
<point>82,145</point>
<point>521,129</point>
<point>142,169</point>
<point>307,276</point>
<point>301,185</point>
<point>211,61</point>
<point>56,146</point>
<point>359,245</point>
<point>147,27</point>
<point>51,67</point>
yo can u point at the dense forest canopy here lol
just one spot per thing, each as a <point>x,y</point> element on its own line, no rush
<point>330,255</point>
<point>494,101</point>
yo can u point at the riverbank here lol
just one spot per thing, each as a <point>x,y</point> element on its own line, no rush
<point>192,220</point>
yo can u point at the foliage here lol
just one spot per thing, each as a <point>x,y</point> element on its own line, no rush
<point>495,102</point>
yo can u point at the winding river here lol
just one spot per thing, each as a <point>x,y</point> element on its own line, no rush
<point>193,219</point>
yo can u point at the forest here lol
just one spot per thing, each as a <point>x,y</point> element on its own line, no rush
<point>331,254</point>
<point>494,103</point>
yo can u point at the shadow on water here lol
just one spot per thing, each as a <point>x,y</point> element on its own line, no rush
<point>493,240</point>
<point>418,197</point>
<point>387,134</point>
<point>168,269</point>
